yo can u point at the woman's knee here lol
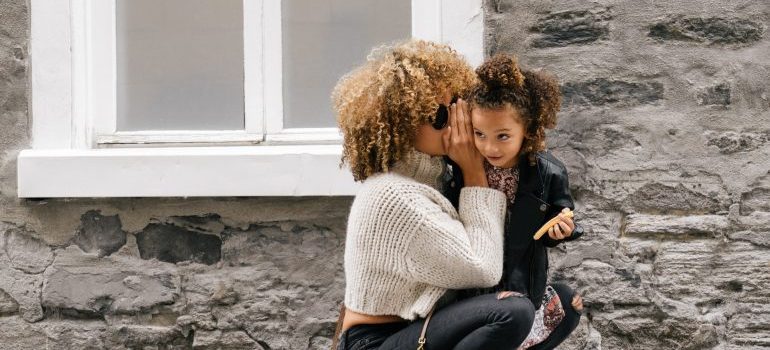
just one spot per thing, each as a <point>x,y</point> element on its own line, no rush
<point>515,311</point>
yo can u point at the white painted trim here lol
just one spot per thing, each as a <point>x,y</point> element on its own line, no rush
<point>82,130</point>
<point>458,23</point>
<point>102,65</point>
<point>129,138</point>
<point>273,66</point>
<point>306,136</point>
<point>296,136</point>
<point>185,172</point>
<point>426,20</point>
<point>253,74</point>
<point>462,28</point>
<point>147,137</point>
<point>51,74</point>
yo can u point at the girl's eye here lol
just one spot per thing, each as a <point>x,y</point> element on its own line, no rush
<point>478,134</point>
<point>503,137</point>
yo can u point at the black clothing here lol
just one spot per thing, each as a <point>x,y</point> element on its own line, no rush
<point>481,322</point>
<point>543,191</point>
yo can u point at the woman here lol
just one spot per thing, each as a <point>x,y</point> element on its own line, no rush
<point>406,245</point>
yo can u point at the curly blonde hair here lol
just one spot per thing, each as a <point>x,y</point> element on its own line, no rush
<point>380,104</point>
<point>535,94</point>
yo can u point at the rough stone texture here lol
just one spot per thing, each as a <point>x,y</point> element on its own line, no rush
<point>673,226</point>
<point>21,287</point>
<point>216,340</point>
<point>717,95</point>
<point>572,27</point>
<point>100,234</point>
<point>602,91</point>
<point>14,89</point>
<point>711,30</point>
<point>25,252</point>
<point>733,142</point>
<point>664,130</point>
<point>8,306</point>
<point>77,283</point>
<point>173,244</point>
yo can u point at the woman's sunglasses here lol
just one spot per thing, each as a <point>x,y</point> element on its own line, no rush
<point>441,119</point>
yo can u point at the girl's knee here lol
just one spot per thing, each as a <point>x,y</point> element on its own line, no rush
<point>567,297</point>
<point>565,292</point>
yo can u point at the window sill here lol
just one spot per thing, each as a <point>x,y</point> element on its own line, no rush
<point>283,170</point>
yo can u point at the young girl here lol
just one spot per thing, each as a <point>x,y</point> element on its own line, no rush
<point>511,108</point>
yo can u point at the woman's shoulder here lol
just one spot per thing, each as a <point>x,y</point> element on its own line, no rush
<point>397,190</point>
<point>389,182</point>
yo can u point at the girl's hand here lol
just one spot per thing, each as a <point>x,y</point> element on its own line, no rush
<point>577,303</point>
<point>563,229</point>
<point>461,147</point>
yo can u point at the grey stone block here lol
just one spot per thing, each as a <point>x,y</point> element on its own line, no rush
<point>602,91</point>
<point>100,234</point>
<point>173,244</point>
<point>718,95</point>
<point>572,27</point>
<point>89,286</point>
<point>733,142</point>
<point>709,30</point>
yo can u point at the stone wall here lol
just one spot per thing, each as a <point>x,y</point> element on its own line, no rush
<point>171,274</point>
<point>665,128</point>
<point>665,131</point>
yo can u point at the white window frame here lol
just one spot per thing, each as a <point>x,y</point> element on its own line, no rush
<point>77,152</point>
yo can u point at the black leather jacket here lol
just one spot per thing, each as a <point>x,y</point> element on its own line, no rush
<point>542,193</point>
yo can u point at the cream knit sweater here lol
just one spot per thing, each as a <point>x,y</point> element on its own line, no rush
<point>406,244</point>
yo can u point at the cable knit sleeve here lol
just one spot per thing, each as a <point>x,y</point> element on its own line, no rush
<point>451,253</point>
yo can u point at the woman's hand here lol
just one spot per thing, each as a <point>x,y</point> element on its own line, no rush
<point>508,294</point>
<point>461,147</point>
<point>563,229</point>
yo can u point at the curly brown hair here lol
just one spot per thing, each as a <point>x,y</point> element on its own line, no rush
<point>380,105</point>
<point>535,95</point>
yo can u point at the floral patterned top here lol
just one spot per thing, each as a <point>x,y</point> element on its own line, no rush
<point>503,179</point>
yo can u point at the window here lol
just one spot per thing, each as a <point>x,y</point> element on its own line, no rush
<point>206,97</point>
<point>179,65</point>
<point>322,40</point>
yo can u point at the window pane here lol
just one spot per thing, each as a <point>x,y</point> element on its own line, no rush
<point>180,65</point>
<point>324,39</point>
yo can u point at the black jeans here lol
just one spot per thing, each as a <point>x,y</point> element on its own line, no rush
<point>567,325</point>
<point>481,322</point>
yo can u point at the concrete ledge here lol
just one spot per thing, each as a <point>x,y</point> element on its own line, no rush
<point>307,170</point>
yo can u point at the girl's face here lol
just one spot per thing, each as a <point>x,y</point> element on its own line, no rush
<point>499,134</point>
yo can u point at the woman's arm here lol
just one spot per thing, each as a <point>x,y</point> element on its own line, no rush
<point>465,253</point>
